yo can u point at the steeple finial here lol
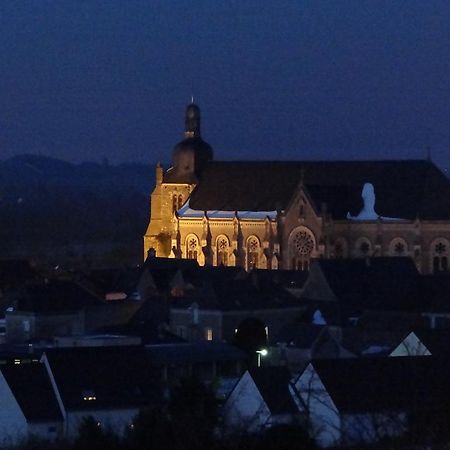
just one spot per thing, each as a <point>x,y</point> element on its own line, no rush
<point>192,99</point>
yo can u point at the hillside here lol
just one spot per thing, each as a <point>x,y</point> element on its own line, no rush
<point>55,211</point>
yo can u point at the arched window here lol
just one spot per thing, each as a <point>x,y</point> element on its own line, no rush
<point>301,245</point>
<point>340,248</point>
<point>222,251</point>
<point>363,247</point>
<point>440,252</point>
<point>192,247</point>
<point>252,252</point>
<point>398,247</point>
<point>180,201</point>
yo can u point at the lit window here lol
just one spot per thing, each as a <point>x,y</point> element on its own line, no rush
<point>192,247</point>
<point>222,251</point>
<point>209,334</point>
<point>89,395</point>
<point>252,252</point>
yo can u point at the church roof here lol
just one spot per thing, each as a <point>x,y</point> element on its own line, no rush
<point>404,189</point>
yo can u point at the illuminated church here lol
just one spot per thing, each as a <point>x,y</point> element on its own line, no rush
<point>281,215</point>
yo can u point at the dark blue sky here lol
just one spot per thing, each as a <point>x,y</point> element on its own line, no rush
<point>88,79</point>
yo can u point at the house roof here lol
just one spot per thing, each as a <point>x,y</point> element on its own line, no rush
<point>273,385</point>
<point>32,389</point>
<point>386,384</point>
<point>118,377</point>
<point>14,272</point>
<point>103,281</point>
<point>377,283</point>
<point>404,189</point>
<point>181,353</point>
<point>302,335</point>
<point>51,296</point>
<point>436,341</point>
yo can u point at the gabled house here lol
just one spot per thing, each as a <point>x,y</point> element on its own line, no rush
<point>263,397</point>
<point>41,310</point>
<point>109,384</point>
<point>362,400</point>
<point>29,406</point>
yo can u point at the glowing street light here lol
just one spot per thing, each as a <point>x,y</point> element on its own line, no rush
<point>262,352</point>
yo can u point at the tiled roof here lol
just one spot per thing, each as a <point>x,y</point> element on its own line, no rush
<point>404,189</point>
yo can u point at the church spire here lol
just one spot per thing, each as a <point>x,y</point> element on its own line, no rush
<point>192,121</point>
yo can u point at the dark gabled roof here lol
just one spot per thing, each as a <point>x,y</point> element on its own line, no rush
<point>404,189</point>
<point>273,385</point>
<point>302,335</point>
<point>157,263</point>
<point>194,352</point>
<point>103,281</point>
<point>237,295</point>
<point>369,342</point>
<point>15,272</point>
<point>32,389</point>
<point>51,296</point>
<point>386,384</point>
<point>118,377</point>
<point>378,283</point>
<point>434,293</point>
<point>436,341</point>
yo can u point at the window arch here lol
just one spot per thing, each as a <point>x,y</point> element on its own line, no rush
<point>180,201</point>
<point>222,246</point>
<point>253,249</point>
<point>363,247</point>
<point>192,247</point>
<point>302,244</point>
<point>440,253</point>
<point>398,247</point>
<point>340,248</point>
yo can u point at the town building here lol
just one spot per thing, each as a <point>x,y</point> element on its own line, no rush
<point>280,214</point>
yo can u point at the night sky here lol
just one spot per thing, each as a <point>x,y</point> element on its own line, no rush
<point>303,79</point>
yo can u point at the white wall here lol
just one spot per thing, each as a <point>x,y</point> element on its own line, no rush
<point>367,428</point>
<point>245,409</point>
<point>117,420</point>
<point>323,418</point>
<point>13,425</point>
<point>46,430</point>
<point>411,346</point>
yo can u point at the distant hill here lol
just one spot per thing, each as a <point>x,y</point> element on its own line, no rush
<point>59,212</point>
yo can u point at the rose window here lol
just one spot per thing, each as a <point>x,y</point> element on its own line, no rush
<point>399,248</point>
<point>303,243</point>
<point>440,248</point>
<point>223,244</point>
<point>192,243</point>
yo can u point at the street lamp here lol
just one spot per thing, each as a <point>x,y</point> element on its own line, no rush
<point>262,352</point>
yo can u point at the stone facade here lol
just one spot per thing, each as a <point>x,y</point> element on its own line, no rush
<point>289,235</point>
